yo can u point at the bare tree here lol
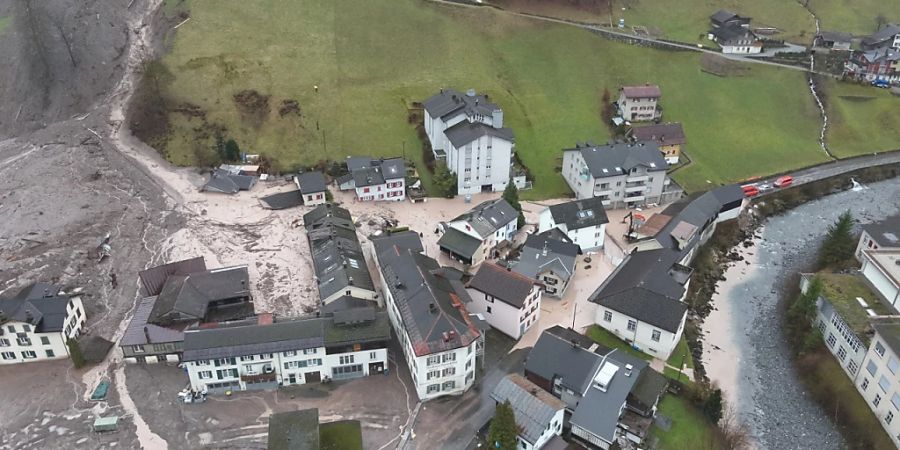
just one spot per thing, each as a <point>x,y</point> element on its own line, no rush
<point>734,432</point>
<point>58,24</point>
<point>880,21</point>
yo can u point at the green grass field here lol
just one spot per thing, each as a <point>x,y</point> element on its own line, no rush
<point>607,339</point>
<point>689,428</point>
<point>340,435</point>
<point>682,353</point>
<point>4,22</point>
<point>862,119</point>
<point>854,16</point>
<point>372,58</point>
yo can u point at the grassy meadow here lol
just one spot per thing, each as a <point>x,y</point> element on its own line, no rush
<point>861,119</point>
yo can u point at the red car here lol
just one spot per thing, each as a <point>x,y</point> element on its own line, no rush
<point>750,190</point>
<point>784,181</point>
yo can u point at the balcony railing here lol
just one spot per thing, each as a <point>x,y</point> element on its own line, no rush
<point>602,192</point>
<point>637,179</point>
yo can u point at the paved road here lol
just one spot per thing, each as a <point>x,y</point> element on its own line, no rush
<point>835,168</point>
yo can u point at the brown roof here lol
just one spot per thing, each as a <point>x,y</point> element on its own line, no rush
<point>504,284</point>
<point>642,91</point>
<point>662,134</point>
<point>654,224</point>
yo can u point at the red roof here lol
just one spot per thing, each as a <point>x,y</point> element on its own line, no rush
<point>647,90</point>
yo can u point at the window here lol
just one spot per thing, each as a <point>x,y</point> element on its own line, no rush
<point>656,335</point>
<point>448,385</point>
<point>138,348</point>
<point>865,384</point>
<point>893,365</point>
<point>250,358</point>
<point>204,374</point>
<point>876,400</point>
<point>852,367</point>
<point>29,354</point>
<point>884,384</point>
<point>632,325</point>
<point>489,298</point>
<point>348,359</point>
<point>432,388</point>
<point>607,316</point>
<point>4,342</point>
<point>871,368</point>
<point>432,360</point>
<point>831,340</point>
<point>26,328</point>
<point>895,400</point>
<point>202,362</point>
<point>289,353</point>
<point>373,355</point>
<point>879,348</point>
<point>24,341</point>
<point>889,417</point>
<point>266,356</point>
<point>842,353</point>
<point>45,340</point>
<point>433,374</point>
<point>11,328</point>
<point>226,373</point>
<point>50,354</point>
<point>309,351</point>
<point>488,309</point>
<point>449,357</point>
<point>450,371</point>
<point>9,355</point>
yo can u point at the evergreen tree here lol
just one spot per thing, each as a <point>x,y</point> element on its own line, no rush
<point>232,151</point>
<point>444,181</point>
<point>839,243</point>
<point>511,195</point>
<point>712,406</point>
<point>75,353</point>
<point>503,431</point>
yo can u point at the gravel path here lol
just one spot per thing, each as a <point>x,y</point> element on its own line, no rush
<point>768,395</point>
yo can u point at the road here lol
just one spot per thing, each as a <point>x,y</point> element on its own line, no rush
<point>834,168</point>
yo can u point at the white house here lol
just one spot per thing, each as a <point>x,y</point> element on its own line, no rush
<point>427,306</point>
<point>881,268</point>
<point>312,188</point>
<point>877,235</point>
<point>375,179</point>
<point>550,262</point>
<point>509,301</point>
<point>481,233</point>
<point>466,132</point>
<point>582,221</point>
<point>265,352</point>
<point>879,379</point>
<point>539,415</point>
<point>639,103</point>
<point>37,322</point>
<point>736,39</point>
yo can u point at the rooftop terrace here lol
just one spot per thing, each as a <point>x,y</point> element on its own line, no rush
<point>842,291</point>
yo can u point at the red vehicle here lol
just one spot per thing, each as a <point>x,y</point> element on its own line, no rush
<point>784,181</point>
<point>750,190</point>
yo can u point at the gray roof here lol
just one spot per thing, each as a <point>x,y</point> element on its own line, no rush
<point>598,411</point>
<point>367,176</point>
<point>366,171</point>
<point>154,278</point>
<point>191,294</point>
<point>465,132</point>
<point>228,183</point>
<point>554,356</point>
<point>311,182</point>
<point>732,32</point>
<point>533,407</point>
<point>885,33</point>
<point>835,36</point>
<point>503,284</point>
<point>250,337</point>
<point>294,430</point>
<point>430,299</point>
<point>662,134</point>
<point>345,302</point>
<point>139,329</point>
<point>489,216</point>
<point>458,242</point>
<point>282,200</point>
<point>886,232</point>
<point>338,258</point>
<point>450,102</point>
<point>650,386</point>
<point>579,214</point>
<point>40,304</point>
<point>890,333</point>
<point>358,162</point>
<point>393,169</point>
<point>722,16</point>
<point>617,159</point>
<point>542,254</point>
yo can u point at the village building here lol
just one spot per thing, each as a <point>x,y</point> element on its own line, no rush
<point>466,133</point>
<point>550,262</point>
<point>669,137</point>
<point>622,175</point>
<point>878,235</point>
<point>375,179</point>
<point>833,40</point>
<point>582,221</point>
<point>881,65</point>
<point>539,415</point>
<point>484,232</point>
<point>312,187</point>
<point>879,379</point>
<point>230,179</point>
<point>885,38</point>
<point>302,430</point>
<point>881,269</point>
<point>37,323</point>
<point>723,18</point>
<point>639,103</point>
<point>428,308</point>
<point>509,301</point>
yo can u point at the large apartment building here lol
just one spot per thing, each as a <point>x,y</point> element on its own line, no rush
<point>427,306</point>
<point>36,324</point>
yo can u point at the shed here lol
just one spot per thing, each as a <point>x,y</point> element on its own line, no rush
<point>102,424</point>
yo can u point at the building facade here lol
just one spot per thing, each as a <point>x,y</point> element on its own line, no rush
<point>37,323</point>
<point>879,378</point>
<point>509,301</point>
<point>669,137</point>
<point>375,180</point>
<point>480,233</point>
<point>881,268</point>
<point>550,262</point>
<point>639,103</point>
<point>582,221</point>
<point>312,187</point>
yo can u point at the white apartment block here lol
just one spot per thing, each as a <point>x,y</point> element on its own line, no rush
<point>879,378</point>
<point>639,103</point>
<point>37,323</point>
<point>509,301</point>
<point>622,175</point>
<point>582,221</point>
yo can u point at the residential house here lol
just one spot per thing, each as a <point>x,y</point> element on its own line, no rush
<point>881,269</point>
<point>833,40</point>
<point>877,235</point>
<point>509,301</point>
<point>736,39</point>
<point>723,18</point>
<point>639,103</point>
<point>538,414</point>
<point>887,37</point>
<point>229,180</point>
<point>550,262</point>
<point>874,65</point>
<point>879,382</point>
<point>466,132</point>
<point>428,308</point>
<point>36,324</point>
<point>301,430</point>
<point>622,175</point>
<point>312,188</point>
<point>337,256</point>
<point>375,179</point>
<point>669,137</point>
<point>266,352</point>
<point>582,221</point>
<point>481,233</point>
<point>609,392</point>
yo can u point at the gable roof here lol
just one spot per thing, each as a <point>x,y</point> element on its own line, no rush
<point>579,214</point>
<point>534,408</point>
<point>554,356</point>
<point>503,284</point>
<point>598,410</point>
<point>458,242</point>
<point>338,257</point>
<point>649,387</point>
<point>430,299</point>
<point>721,16</point>
<point>294,430</point>
<point>311,182</point>
<point>661,134</point>
<point>154,278</point>
<point>465,132</point>
<point>39,304</point>
<point>834,36</point>
<point>886,232</point>
<point>885,33</point>
<point>489,216</point>
<point>645,91</point>
<point>191,294</point>
<point>450,102</point>
<point>225,182</point>
<point>141,332</point>
<point>541,254</point>
<point>617,159</point>
<point>732,32</point>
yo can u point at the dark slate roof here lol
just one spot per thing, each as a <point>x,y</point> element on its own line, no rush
<point>624,156</point>
<point>503,284</point>
<point>732,32</point>
<point>450,102</point>
<point>489,216</point>
<point>721,16</point>
<point>228,183</point>
<point>649,387</point>
<point>835,36</point>
<point>393,169</point>
<point>338,258</point>
<point>598,411</point>
<point>366,171</point>
<point>557,235</point>
<point>459,242</point>
<point>541,254</point>
<point>311,182</point>
<point>294,430</point>
<point>367,176</point>
<point>571,335</point>
<point>249,337</point>
<point>886,232</point>
<point>405,239</point>
<point>464,132</point>
<point>662,134</point>
<point>555,356</point>
<point>345,302</point>
<point>647,306</point>
<point>579,214</point>
<point>890,332</point>
<point>645,91</point>
<point>534,408</point>
<point>191,294</point>
<point>358,162</point>
<point>282,200</point>
<point>40,304</point>
<point>139,329</point>
<point>885,33</point>
<point>431,301</point>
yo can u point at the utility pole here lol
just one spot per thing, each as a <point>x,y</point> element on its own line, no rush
<point>574,313</point>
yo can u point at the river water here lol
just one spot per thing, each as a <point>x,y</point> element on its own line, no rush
<point>744,350</point>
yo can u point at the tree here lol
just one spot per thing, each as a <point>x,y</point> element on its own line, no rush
<point>606,112</point>
<point>444,181</point>
<point>805,306</point>
<point>839,242</point>
<point>511,195</point>
<point>880,21</point>
<point>75,353</point>
<point>503,431</point>
<point>712,406</point>
<point>232,151</point>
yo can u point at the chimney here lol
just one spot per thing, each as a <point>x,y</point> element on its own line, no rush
<point>28,316</point>
<point>442,91</point>
<point>350,281</point>
<point>452,334</point>
<point>445,336</point>
<point>432,307</point>
<point>476,102</point>
<point>147,335</point>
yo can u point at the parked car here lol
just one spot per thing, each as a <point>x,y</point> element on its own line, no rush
<point>750,190</point>
<point>784,181</point>
<point>885,84</point>
<point>764,187</point>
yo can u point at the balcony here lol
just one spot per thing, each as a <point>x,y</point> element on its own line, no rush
<point>260,378</point>
<point>635,188</point>
<point>602,192</point>
<point>633,199</point>
<point>638,179</point>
